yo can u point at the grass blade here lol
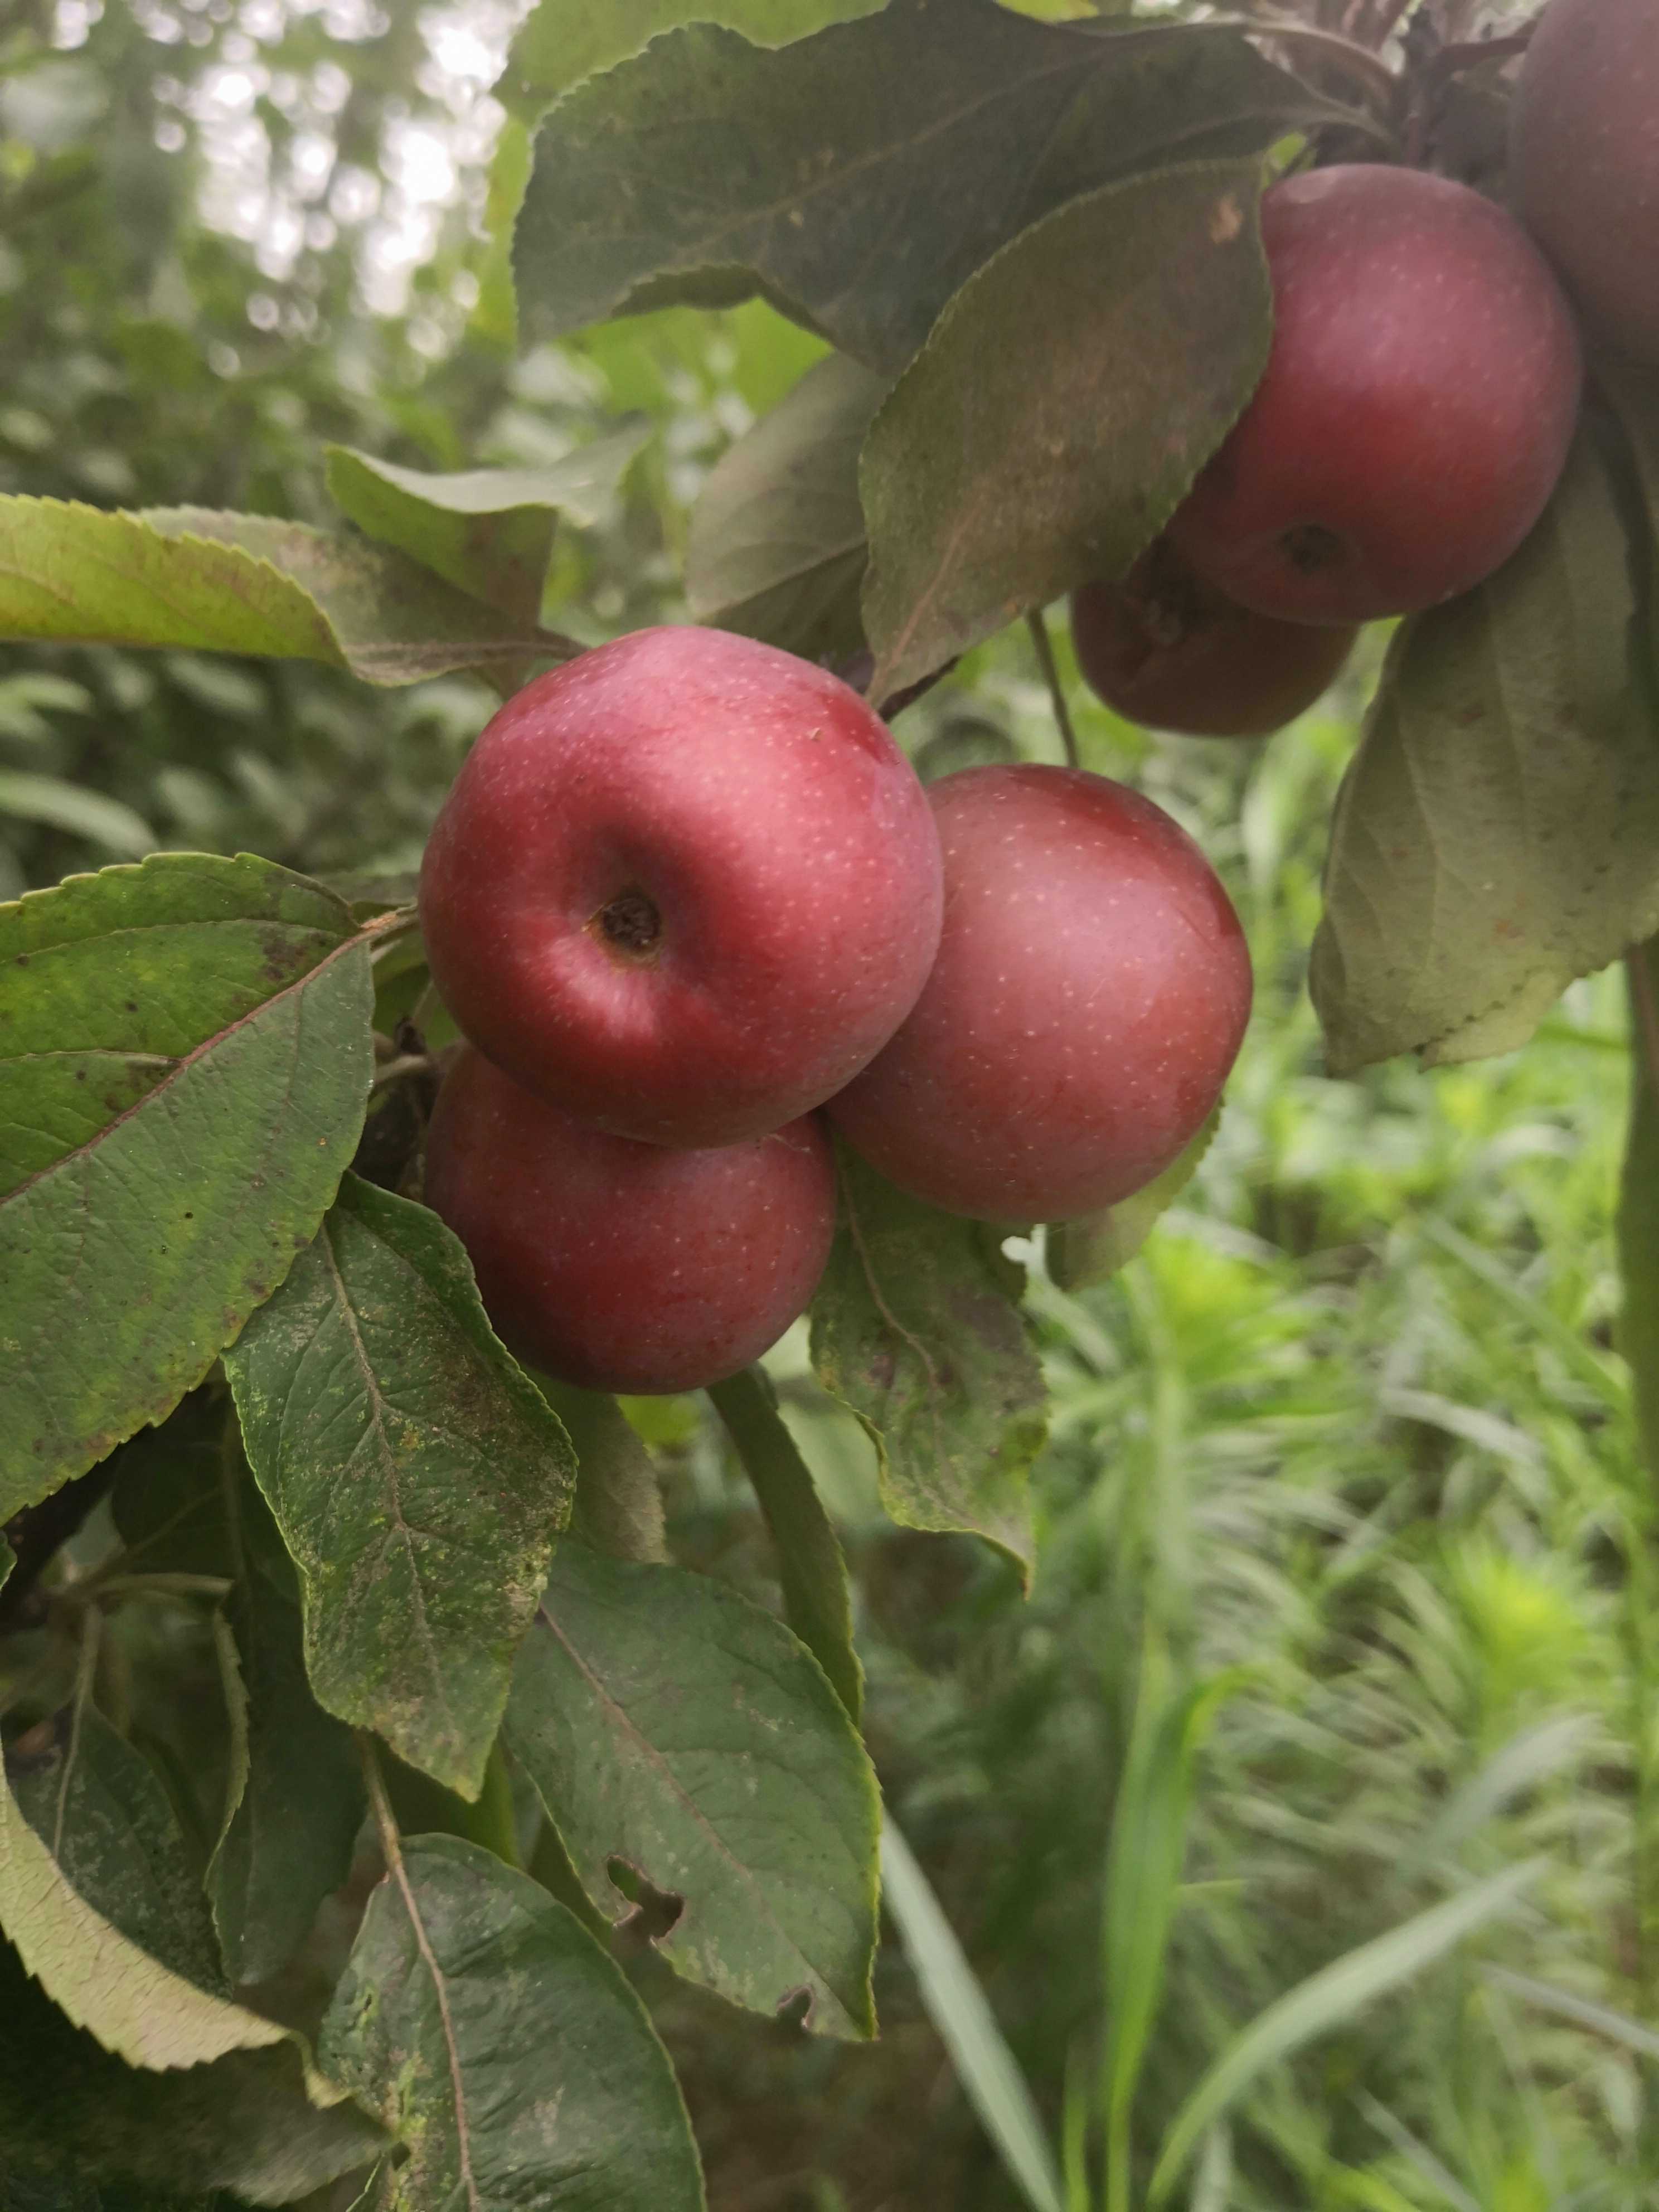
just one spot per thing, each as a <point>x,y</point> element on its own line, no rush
<point>1601,2019</point>
<point>959,2007</point>
<point>1144,1867</point>
<point>1324,2001</point>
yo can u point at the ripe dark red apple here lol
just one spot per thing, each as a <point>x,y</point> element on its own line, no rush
<point>1584,159</point>
<point>1415,412</point>
<point>1165,649</point>
<point>684,887</point>
<point>1091,991</point>
<point>622,1265</point>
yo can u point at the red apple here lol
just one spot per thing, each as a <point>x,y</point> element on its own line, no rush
<point>684,887</point>
<point>1168,650</point>
<point>1415,412</point>
<point>622,1265</point>
<point>1584,159</point>
<point>1091,991</point>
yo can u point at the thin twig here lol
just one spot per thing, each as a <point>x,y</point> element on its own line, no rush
<point>1036,622</point>
<point>408,1063</point>
<point>391,1845</point>
<point>217,1587</point>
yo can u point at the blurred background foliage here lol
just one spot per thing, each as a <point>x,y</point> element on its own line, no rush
<point>1347,1447</point>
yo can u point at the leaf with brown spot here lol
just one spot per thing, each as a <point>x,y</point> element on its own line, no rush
<point>670,1724</point>
<point>916,1327</point>
<point>417,1473</point>
<point>490,2032</point>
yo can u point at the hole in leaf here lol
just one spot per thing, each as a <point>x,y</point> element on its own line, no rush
<point>656,1911</point>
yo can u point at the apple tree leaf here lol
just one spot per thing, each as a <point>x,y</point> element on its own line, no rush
<point>776,548</point>
<point>1094,1247</point>
<point>289,1839</point>
<point>670,1725</point>
<point>507,2052</point>
<point>560,42</point>
<point>1498,834</point>
<point>811,1568</point>
<point>618,1507</point>
<point>417,1474</point>
<point>998,474</point>
<point>167,1495</point>
<point>917,1329</point>
<point>71,2113</point>
<point>185,1504</point>
<point>99,1809</point>
<point>190,578</point>
<point>135,2006</point>
<point>488,532</point>
<point>184,1060</point>
<point>860,177</point>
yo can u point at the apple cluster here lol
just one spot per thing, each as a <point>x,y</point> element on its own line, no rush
<point>686,892</point>
<point>1419,398</point>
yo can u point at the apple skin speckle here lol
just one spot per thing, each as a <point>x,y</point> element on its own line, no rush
<point>1090,996</point>
<point>620,1265</point>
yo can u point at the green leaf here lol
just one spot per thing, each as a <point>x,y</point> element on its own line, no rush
<point>497,2040</point>
<point>916,1328</point>
<point>1499,832</point>
<point>184,1058</point>
<point>1327,2000</point>
<point>240,583</point>
<point>489,531</point>
<point>959,2009</point>
<point>70,2110</point>
<point>816,1601</point>
<point>618,1503</point>
<point>89,814</point>
<point>1092,1248</point>
<point>99,1809</point>
<point>290,1837</point>
<point>668,1723</point>
<point>858,178</point>
<point>416,1476</point>
<point>168,1497</point>
<point>776,548</point>
<point>562,41</point>
<point>1000,474</point>
<point>1638,1205</point>
<point>135,2006</point>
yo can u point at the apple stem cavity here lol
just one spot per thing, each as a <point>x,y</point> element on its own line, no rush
<point>1311,548</point>
<point>629,925</point>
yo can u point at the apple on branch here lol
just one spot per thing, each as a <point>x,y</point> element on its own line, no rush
<point>620,1265</point>
<point>685,887</point>
<point>1415,412</point>
<point>1089,999</point>
<point>1167,650</point>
